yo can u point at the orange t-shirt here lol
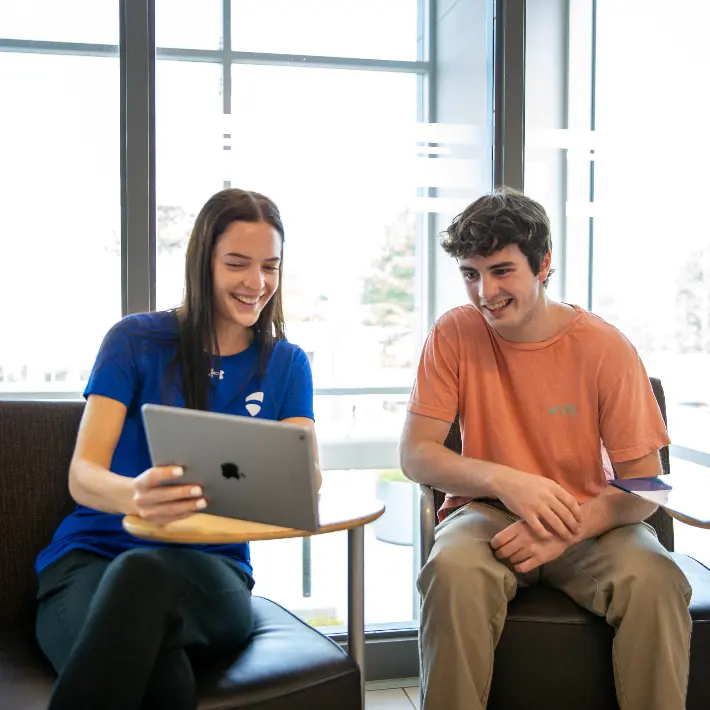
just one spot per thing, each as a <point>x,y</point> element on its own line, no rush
<point>544,408</point>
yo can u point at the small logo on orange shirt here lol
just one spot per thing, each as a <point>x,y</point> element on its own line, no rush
<point>563,410</point>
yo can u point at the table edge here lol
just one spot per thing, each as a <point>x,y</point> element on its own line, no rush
<point>136,526</point>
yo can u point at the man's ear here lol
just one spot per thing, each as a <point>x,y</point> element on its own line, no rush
<point>545,265</point>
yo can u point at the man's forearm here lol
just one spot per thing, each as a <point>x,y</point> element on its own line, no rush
<point>612,509</point>
<point>434,465</point>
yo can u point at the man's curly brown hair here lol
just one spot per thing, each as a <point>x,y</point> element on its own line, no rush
<point>495,221</point>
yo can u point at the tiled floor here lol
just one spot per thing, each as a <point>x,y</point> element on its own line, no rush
<point>393,699</point>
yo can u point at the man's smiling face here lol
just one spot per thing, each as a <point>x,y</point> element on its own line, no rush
<point>504,288</point>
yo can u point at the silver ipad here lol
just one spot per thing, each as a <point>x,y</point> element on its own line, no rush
<point>250,469</point>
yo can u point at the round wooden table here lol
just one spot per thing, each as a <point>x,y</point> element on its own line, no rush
<point>334,514</point>
<point>694,522</point>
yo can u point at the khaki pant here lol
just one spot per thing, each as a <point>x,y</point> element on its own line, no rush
<point>625,575</point>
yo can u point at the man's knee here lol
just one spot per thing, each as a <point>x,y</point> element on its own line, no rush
<point>644,571</point>
<point>471,570</point>
<point>655,575</point>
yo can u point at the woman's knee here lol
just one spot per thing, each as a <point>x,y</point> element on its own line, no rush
<point>140,571</point>
<point>225,619</point>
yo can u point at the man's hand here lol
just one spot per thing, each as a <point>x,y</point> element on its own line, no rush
<point>524,549</point>
<point>540,502</point>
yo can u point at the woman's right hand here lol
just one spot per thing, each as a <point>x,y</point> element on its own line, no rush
<point>162,504</point>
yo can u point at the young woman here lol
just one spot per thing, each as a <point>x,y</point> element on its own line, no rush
<point>122,620</point>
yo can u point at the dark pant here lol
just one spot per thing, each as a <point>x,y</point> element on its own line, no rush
<point>124,634</point>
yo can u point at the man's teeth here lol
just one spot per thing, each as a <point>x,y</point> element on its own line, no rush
<point>500,304</point>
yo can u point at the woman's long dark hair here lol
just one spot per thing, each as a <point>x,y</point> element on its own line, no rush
<point>197,347</point>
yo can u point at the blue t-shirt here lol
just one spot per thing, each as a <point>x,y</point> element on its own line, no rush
<point>134,366</point>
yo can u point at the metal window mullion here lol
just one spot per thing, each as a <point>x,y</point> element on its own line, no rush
<point>226,56</point>
<point>427,108</point>
<point>578,248</point>
<point>294,60</point>
<point>509,94</point>
<point>227,73</point>
<point>426,246</point>
<point>592,164</point>
<point>80,49</point>
<point>359,391</point>
<point>218,55</point>
<point>327,62</point>
<point>696,456</point>
<point>137,58</point>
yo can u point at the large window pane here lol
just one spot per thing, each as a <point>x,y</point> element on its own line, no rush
<point>92,21</point>
<point>342,175</point>
<point>372,29</point>
<point>651,241</point>
<point>189,164</point>
<point>551,110</point>
<point>361,417</point>
<point>189,24</point>
<point>60,266</point>
<point>345,179</point>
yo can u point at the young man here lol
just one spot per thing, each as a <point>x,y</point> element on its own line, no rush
<point>538,386</point>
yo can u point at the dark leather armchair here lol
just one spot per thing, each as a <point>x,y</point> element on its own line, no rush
<point>553,653</point>
<point>286,665</point>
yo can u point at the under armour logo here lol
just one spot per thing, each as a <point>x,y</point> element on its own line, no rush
<point>254,409</point>
<point>215,373</point>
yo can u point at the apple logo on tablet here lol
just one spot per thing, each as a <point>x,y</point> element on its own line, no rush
<point>231,470</point>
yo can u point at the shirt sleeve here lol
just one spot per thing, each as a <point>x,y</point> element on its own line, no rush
<point>115,371</point>
<point>298,399</point>
<point>630,420</point>
<point>436,389</point>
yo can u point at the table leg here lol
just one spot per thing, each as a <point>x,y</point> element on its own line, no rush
<point>306,566</point>
<point>356,601</point>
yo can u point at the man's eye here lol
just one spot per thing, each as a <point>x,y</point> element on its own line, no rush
<point>502,272</point>
<point>470,275</point>
<point>271,268</point>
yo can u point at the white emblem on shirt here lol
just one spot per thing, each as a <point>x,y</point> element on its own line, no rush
<point>254,409</point>
<point>217,373</point>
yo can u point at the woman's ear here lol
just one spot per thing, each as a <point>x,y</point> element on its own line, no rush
<point>545,265</point>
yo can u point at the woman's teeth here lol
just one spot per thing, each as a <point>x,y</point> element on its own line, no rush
<point>247,301</point>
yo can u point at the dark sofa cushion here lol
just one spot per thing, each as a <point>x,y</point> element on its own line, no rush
<point>311,671</point>
<point>286,666</point>
<point>36,446</point>
<point>25,676</point>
